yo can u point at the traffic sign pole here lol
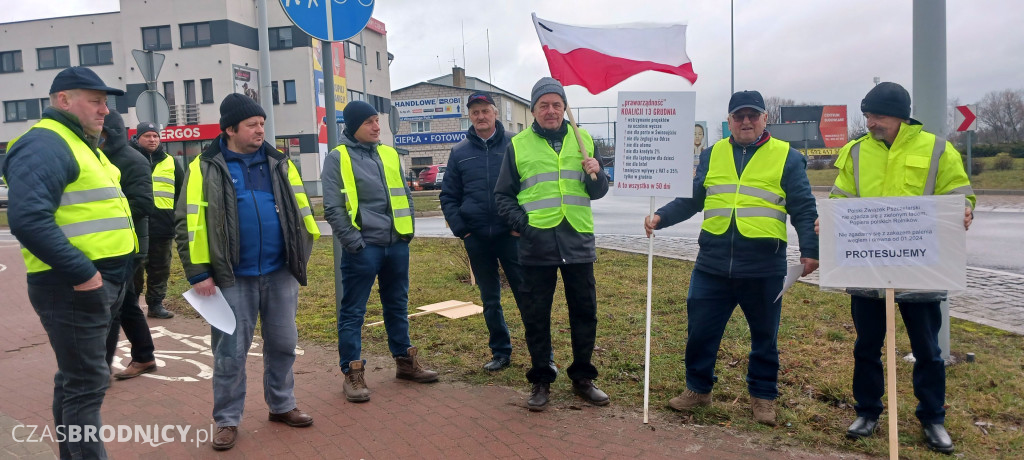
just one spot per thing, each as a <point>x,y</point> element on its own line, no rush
<point>265,92</point>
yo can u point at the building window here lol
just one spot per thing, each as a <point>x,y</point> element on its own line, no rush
<point>27,109</point>
<point>378,60</point>
<point>194,35</point>
<point>156,38</point>
<point>289,92</point>
<point>274,93</point>
<point>10,61</point>
<point>169,92</point>
<point>95,54</point>
<point>421,126</point>
<point>207,88</point>
<point>520,127</point>
<point>463,123</point>
<point>422,161</point>
<point>354,51</point>
<point>280,38</point>
<point>54,58</point>
<point>44,103</point>
<point>355,96</point>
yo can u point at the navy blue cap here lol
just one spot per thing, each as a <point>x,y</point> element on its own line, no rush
<point>479,97</point>
<point>81,78</point>
<point>746,99</point>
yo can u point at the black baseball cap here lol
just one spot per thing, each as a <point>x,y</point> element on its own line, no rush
<point>81,78</point>
<point>479,97</point>
<point>746,99</point>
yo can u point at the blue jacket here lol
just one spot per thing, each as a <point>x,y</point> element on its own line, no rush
<point>732,254</point>
<point>261,241</point>
<point>467,192</point>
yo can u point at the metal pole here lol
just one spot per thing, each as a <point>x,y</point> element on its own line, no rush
<point>330,113</point>
<point>366,94</point>
<point>732,48</point>
<point>266,93</point>
<point>970,160</point>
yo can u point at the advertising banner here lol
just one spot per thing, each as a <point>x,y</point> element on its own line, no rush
<point>247,81</point>
<point>319,88</point>
<point>831,119</point>
<point>429,108</point>
<point>893,242</point>
<point>652,153</point>
<point>429,138</point>
<point>185,133</point>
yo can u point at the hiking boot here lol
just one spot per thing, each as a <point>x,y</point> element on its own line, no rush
<point>689,400</point>
<point>539,397</point>
<point>355,386</point>
<point>586,389</point>
<point>225,437</point>
<point>158,311</point>
<point>408,368</point>
<point>136,369</point>
<point>293,418</point>
<point>764,410</point>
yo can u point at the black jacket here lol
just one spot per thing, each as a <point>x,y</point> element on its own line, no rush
<point>161,221</point>
<point>550,246</point>
<point>38,168</point>
<point>732,254</point>
<point>136,181</point>
<point>467,192</point>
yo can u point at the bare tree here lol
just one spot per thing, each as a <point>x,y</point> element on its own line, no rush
<point>774,106</point>
<point>1001,116</point>
<point>856,125</point>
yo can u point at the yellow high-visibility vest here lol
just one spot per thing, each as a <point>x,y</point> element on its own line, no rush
<point>756,198</point>
<point>551,184</point>
<point>401,212</point>
<point>93,212</point>
<point>163,183</point>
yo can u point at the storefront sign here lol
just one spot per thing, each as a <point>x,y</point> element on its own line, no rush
<point>186,133</point>
<point>430,138</point>
<point>425,109</point>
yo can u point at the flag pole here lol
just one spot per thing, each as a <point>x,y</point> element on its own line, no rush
<point>579,138</point>
<point>647,340</point>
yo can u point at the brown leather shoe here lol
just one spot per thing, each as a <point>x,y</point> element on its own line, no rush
<point>224,439</point>
<point>294,418</point>
<point>408,368</point>
<point>136,369</point>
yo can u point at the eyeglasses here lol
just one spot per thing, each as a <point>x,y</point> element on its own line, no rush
<point>739,117</point>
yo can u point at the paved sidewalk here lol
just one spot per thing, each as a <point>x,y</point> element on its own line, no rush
<point>404,420</point>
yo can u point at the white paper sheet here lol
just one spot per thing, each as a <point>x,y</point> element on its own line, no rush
<point>792,274</point>
<point>214,308</point>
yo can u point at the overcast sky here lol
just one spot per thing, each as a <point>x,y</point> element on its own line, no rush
<point>810,51</point>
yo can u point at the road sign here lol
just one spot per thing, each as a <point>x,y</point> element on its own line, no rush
<point>329,20</point>
<point>151,106</point>
<point>964,118</point>
<point>149,63</point>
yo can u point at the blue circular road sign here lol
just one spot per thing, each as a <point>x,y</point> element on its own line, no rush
<point>329,20</point>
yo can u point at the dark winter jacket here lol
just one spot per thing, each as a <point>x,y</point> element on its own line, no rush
<point>136,181</point>
<point>467,193</point>
<point>375,216</point>
<point>161,222</point>
<point>224,219</point>
<point>38,168</point>
<point>545,246</point>
<point>732,254</point>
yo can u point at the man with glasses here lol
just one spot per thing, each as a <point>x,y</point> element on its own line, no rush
<point>746,185</point>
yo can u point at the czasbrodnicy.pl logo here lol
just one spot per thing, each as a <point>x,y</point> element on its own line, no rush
<point>154,435</point>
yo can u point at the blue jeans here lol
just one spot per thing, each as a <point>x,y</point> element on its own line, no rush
<point>484,255</point>
<point>923,320</point>
<point>389,265</point>
<point>77,323</point>
<point>273,299</point>
<point>709,305</point>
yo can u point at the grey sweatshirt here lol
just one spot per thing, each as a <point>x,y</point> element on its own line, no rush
<point>374,214</point>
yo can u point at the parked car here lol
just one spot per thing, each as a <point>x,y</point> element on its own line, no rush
<point>431,177</point>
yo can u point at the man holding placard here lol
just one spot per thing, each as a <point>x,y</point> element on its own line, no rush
<point>899,158</point>
<point>746,185</point>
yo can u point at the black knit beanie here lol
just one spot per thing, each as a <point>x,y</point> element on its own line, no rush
<point>146,127</point>
<point>238,107</point>
<point>355,113</point>
<point>887,98</point>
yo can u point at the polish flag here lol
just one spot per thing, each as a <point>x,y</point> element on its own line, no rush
<point>598,58</point>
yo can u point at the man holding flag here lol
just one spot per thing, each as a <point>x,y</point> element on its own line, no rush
<point>746,185</point>
<point>544,191</point>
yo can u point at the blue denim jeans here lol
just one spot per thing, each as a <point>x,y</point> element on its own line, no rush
<point>273,300</point>
<point>709,305</point>
<point>484,256</point>
<point>923,320</point>
<point>389,265</point>
<point>77,323</point>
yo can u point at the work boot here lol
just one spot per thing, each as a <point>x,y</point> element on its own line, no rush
<point>764,410</point>
<point>293,418</point>
<point>586,389</point>
<point>224,439</point>
<point>689,400</point>
<point>355,386</point>
<point>539,397</point>
<point>136,369</point>
<point>158,311</point>
<point>408,368</point>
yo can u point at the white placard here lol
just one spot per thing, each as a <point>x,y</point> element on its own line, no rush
<point>214,309</point>
<point>654,143</point>
<point>893,242</point>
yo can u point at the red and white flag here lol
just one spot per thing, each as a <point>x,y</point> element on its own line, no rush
<point>598,58</point>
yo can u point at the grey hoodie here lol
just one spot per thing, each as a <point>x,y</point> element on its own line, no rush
<point>375,216</point>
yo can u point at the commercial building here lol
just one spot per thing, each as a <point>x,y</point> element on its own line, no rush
<point>211,48</point>
<point>433,115</point>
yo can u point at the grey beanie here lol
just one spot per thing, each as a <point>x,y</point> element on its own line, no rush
<point>544,86</point>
